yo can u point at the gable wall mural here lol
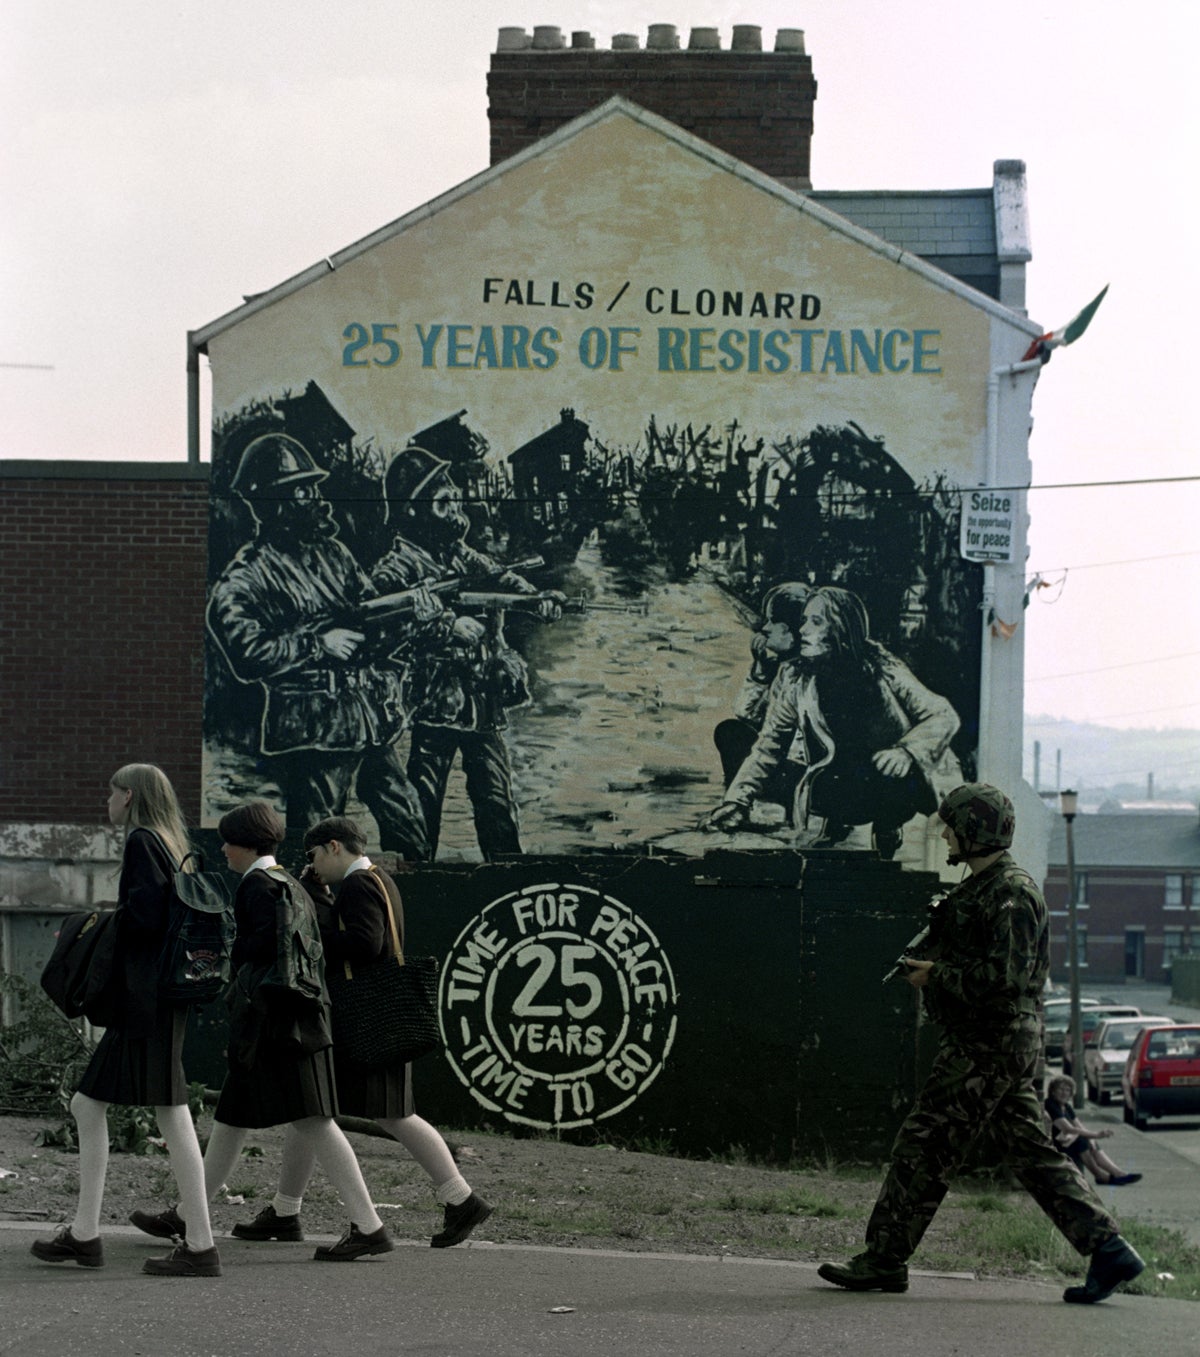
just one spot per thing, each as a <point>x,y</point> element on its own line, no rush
<point>608,507</point>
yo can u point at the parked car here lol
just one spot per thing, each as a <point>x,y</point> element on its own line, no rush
<point>1104,1059</point>
<point>1057,1014</point>
<point>1162,1074</point>
<point>1089,1020</point>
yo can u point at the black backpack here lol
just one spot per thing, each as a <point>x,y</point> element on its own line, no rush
<point>194,966</point>
<point>298,976</point>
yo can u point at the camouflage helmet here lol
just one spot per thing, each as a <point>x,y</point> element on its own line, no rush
<point>980,814</point>
<point>271,461</point>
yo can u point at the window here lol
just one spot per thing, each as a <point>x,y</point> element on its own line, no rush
<point>1081,943</point>
<point>1081,885</point>
<point>1172,945</point>
<point>1173,890</point>
<point>564,461</point>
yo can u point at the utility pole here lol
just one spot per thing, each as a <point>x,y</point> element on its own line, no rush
<point>1069,804</point>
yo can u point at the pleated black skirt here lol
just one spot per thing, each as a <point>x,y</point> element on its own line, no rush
<point>140,1071</point>
<point>373,1093</point>
<point>277,1089</point>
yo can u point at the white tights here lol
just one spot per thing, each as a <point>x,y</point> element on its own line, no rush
<point>418,1137</point>
<point>175,1124</point>
<point>319,1140</point>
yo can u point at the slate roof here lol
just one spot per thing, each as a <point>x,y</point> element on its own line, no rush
<point>1169,842</point>
<point>953,229</point>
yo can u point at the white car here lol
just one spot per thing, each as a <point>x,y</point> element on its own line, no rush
<point>1104,1058</point>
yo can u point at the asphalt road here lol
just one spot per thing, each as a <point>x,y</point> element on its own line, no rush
<point>487,1300</point>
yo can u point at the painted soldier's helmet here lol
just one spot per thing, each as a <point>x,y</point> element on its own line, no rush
<point>274,460</point>
<point>980,814</point>
<point>408,476</point>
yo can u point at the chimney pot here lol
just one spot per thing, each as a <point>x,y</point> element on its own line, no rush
<point>625,42</point>
<point>662,38</point>
<point>790,40</point>
<point>582,41</point>
<point>512,40</point>
<point>704,40</point>
<point>548,38</point>
<point>746,38</point>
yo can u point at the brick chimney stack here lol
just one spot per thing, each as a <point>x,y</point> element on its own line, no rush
<point>755,105</point>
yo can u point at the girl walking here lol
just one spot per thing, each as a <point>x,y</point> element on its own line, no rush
<point>139,1059</point>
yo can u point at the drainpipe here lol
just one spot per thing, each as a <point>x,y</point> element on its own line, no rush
<point>193,402</point>
<point>989,570</point>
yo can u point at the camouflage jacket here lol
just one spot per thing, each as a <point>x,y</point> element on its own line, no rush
<point>990,946</point>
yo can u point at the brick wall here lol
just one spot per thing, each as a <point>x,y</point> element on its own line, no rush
<point>101,623</point>
<point>1120,900</point>
<point>757,106</point>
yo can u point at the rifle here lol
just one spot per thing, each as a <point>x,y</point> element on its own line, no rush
<point>475,601</point>
<point>900,967</point>
<point>925,938</point>
<point>404,602</point>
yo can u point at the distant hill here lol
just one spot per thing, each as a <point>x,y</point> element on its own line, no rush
<point>1102,762</point>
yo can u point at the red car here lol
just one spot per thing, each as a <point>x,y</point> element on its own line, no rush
<point>1162,1074</point>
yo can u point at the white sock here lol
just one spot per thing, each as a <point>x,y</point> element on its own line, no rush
<point>91,1125</point>
<point>336,1156</point>
<point>424,1142</point>
<point>287,1206</point>
<point>187,1165</point>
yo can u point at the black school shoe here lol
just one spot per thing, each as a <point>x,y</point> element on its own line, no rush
<point>267,1225</point>
<point>185,1262</point>
<point>166,1224</point>
<point>64,1247</point>
<point>353,1244</point>
<point>459,1221</point>
<point>1113,1264</point>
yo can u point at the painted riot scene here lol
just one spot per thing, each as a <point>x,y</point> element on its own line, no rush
<point>701,637</point>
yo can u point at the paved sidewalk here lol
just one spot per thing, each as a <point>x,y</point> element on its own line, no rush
<point>487,1300</point>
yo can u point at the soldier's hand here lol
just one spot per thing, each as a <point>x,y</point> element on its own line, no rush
<point>892,762</point>
<point>341,643</point>
<point>469,630</point>
<point>917,972</point>
<point>550,605</point>
<point>425,606</point>
<point>729,815</point>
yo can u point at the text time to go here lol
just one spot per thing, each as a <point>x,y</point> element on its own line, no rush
<point>558,1006</point>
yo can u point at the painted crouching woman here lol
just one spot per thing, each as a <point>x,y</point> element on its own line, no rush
<point>873,743</point>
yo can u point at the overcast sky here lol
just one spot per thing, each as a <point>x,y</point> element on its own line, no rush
<point>161,158</point>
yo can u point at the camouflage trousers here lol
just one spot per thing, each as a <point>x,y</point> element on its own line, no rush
<point>970,1094</point>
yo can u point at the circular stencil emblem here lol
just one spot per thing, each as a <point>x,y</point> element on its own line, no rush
<point>557,1006</point>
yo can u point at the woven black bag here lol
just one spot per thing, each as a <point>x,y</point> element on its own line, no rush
<point>385,1014</point>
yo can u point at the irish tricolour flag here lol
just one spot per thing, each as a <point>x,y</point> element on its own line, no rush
<point>1043,344</point>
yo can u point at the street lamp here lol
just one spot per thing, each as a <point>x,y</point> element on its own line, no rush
<point>1069,804</point>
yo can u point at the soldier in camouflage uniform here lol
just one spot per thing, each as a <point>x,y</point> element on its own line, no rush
<point>985,965</point>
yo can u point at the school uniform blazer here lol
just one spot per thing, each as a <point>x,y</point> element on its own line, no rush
<point>142,896</point>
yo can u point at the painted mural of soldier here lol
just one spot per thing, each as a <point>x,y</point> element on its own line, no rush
<point>463,685</point>
<point>286,614</point>
<point>872,743</point>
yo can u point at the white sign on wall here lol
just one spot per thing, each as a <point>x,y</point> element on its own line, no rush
<point>988,525</point>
